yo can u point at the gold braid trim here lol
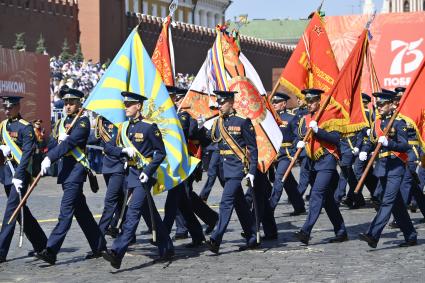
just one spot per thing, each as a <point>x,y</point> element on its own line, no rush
<point>213,129</point>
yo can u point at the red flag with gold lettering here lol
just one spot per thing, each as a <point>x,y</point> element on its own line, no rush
<point>412,104</point>
<point>312,64</point>
<point>163,55</point>
<point>345,111</point>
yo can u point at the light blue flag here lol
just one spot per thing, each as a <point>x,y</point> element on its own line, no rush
<point>132,70</point>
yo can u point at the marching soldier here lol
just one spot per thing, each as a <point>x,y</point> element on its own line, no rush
<point>73,168</point>
<point>362,140</point>
<point>214,170</point>
<point>390,168</point>
<point>410,186</point>
<point>304,179</point>
<point>141,141</point>
<point>321,150</point>
<point>284,158</point>
<point>114,174</point>
<point>348,152</point>
<point>235,136</point>
<point>178,203</point>
<point>17,146</point>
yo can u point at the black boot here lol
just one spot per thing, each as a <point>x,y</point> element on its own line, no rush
<point>47,255</point>
<point>112,257</point>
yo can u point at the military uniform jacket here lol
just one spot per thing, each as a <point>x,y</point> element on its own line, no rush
<point>299,113</point>
<point>388,163</point>
<point>70,170</point>
<point>189,125</point>
<point>288,129</point>
<point>243,133</point>
<point>191,131</point>
<point>147,139</point>
<point>414,151</point>
<point>22,134</point>
<point>327,161</point>
<point>110,164</point>
<point>362,137</point>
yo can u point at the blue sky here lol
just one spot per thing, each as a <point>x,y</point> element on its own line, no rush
<point>294,9</point>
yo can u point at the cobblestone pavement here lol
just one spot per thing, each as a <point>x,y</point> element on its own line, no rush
<point>283,260</point>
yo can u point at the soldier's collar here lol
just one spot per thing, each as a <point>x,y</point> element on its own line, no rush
<point>136,119</point>
<point>233,113</point>
<point>17,118</point>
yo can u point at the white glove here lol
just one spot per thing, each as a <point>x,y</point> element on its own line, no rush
<point>383,140</point>
<point>131,152</point>
<point>355,151</point>
<point>5,149</point>
<point>17,183</point>
<point>313,126</point>
<point>201,121</point>
<point>143,178</point>
<point>363,156</point>
<point>368,132</point>
<point>300,144</point>
<point>250,177</point>
<point>45,165</point>
<point>62,137</point>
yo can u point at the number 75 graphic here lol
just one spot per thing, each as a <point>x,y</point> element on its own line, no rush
<point>405,49</point>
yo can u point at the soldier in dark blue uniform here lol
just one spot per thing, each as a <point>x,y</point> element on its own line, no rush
<point>141,141</point>
<point>214,170</point>
<point>321,150</point>
<point>179,201</point>
<point>362,140</point>
<point>390,168</point>
<point>114,174</point>
<point>349,150</point>
<point>410,186</point>
<point>20,136</point>
<point>304,179</point>
<point>284,158</point>
<point>72,174</point>
<point>235,136</point>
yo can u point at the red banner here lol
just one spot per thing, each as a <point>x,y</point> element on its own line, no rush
<point>412,104</point>
<point>161,55</point>
<point>312,64</point>
<point>397,46</point>
<point>26,74</point>
<point>345,112</point>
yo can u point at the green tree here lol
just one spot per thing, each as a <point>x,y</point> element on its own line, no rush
<point>40,49</point>
<point>78,55</point>
<point>65,55</point>
<point>19,43</point>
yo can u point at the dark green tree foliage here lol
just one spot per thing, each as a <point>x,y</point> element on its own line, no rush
<point>19,43</point>
<point>40,49</point>
<point>65,54</point>
<point>78,55</point>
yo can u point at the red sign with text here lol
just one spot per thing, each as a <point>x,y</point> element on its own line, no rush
<point>26,74</point>
<point>397,44</point>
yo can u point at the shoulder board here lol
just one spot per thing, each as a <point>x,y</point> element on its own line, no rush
<point>240,116</point>
<point>290,112</point>
<point>295,109</point>
<point>147,121</point>
<point>399,118</point>
<point>24,122</point>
